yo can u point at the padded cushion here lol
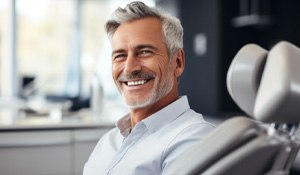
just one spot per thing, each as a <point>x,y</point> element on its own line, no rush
<point>227,137</point>
<point>278,97</point>
<point>255,157</point>
<point>244,75</point>
<point>266,85</point>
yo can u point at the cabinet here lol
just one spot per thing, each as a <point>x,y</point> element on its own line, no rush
<point>84,143</point>
<point>35,153</point>
<point>49,152</point>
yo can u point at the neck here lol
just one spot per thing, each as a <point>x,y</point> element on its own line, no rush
<point>141,113</point>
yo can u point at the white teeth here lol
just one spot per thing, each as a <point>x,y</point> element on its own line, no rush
<point>135,83</point>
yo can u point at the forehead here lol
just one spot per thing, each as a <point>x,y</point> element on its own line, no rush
<point>141,31</point>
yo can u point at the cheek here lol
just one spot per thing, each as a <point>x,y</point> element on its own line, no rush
<point>116,70</point>
<point>165,68</point>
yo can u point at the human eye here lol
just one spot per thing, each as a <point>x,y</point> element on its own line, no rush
<point>145,53</point>
<point>120,56</point>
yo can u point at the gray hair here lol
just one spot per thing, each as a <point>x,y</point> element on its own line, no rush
<point>171,26</point>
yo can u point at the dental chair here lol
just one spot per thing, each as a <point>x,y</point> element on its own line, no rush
<point>266,86</point>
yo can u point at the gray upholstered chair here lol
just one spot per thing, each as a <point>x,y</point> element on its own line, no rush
<point>266,86</point>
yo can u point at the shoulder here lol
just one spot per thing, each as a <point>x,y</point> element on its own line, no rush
<point>191,122</point>
<point>188,128</point>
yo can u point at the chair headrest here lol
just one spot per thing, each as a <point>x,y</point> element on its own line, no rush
<point>266,85</point>
<point>244,75</point>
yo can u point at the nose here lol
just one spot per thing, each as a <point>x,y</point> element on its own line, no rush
<point>132,64</point>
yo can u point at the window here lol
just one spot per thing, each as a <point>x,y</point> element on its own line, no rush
<point>46,44</point>
<point>7,44</point>
<point>3,5</point>
<point>62,44</point>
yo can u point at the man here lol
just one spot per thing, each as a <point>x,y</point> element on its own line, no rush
<point>147,61</point>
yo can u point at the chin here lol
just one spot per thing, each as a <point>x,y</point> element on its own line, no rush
<point>140,103</point>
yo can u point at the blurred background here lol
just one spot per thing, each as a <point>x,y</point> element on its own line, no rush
<point>56,91</point>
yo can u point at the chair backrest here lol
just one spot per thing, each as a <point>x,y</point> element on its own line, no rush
<point>266,86</point>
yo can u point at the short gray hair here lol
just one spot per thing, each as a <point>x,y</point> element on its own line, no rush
<point>171,26</point>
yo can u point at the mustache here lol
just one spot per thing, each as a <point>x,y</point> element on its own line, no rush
<point>136,75</point>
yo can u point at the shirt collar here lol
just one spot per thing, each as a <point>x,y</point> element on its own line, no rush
<point>167,114</point>
<point>158,119</point>
<point>124,125</point>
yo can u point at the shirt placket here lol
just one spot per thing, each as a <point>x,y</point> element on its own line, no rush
<point>128,143</point>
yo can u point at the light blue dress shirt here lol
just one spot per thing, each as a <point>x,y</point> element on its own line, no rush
<point>151,146</point>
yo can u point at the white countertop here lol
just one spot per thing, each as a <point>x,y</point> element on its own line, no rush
<point>38,113</point>
<point>71,121</point>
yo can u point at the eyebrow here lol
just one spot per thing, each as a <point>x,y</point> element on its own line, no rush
<point>142,46</point>
<point>118,51</point>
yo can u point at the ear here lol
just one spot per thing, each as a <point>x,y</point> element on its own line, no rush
<point>180,63</point>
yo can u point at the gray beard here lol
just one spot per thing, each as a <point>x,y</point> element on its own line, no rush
<point>160,90</point>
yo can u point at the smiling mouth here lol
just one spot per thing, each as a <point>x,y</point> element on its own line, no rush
<point>137,78</point>
<point>137,82</point>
